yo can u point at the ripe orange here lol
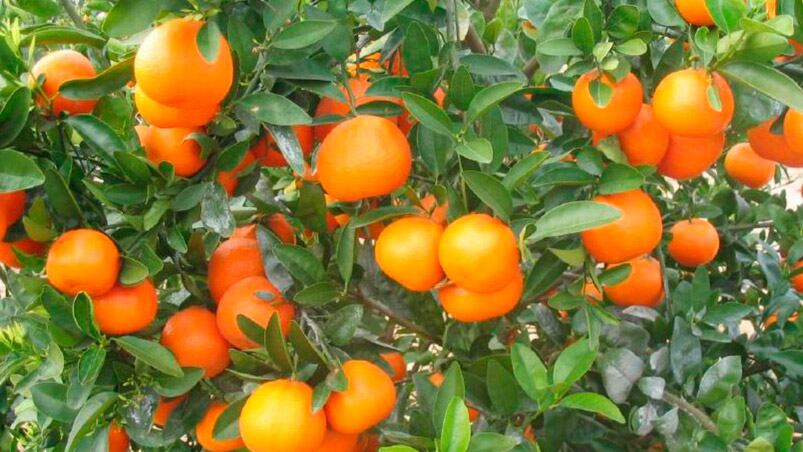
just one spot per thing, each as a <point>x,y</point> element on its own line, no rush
<point>797,280</point>
<point>644,286</point>
<point>278,417</point>
<point>636,232</point>
<point>793,131</point>
<point>645,141</point>
<point>234,259</point>
<point>24,245</point>
<point>83,260</point>
<point>192,335</point>
<point>396,362</point>
<point>771,146</point>
<point>12,206</point>
<point>269,154</point>
<point>204,431</point>
<point>467,306</point>
<point>118,438</point>
<point>229,179</point>
<point>328,106</point>
<point>694,242</point>
<point>59,67</point>
<point>689,157</point>
<point>173,146</point>
<point>369,399</point>
<point>618,113</point>
<point>165,116</point>
<point>163,409</point>
<point>126,310</point>
<point>745,165</point>
<point>243,299</point>
<point>695,12</point>
<point>338,442</point>
<point>772,319</point>
<point>681,104</point>
<point>363,157</point>
<point>170,68</point>
<point>407,251</point>
<point>479,253</point>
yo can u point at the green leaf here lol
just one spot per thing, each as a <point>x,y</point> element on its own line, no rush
<point>151,353</point>
<point>344,251</point>
<point>415,50</point>
<point>303,34</point>
<point>632,47</point>
<point>275,345</point>
<point>50,399</point>
<point>41,8</point>
<point>317,294</point>
<point>456,430</point>
<point>491,192</point>
<point>85,420</point>
<point>559,47</point>
<point>529,370</point>
<point>301,263</point>
<point>83,315</point>
<point>128,17</point>
<point>14,116</point>
<point>391,9</point>
<point>18,172</point>
<point>573,362</point>
<point>523,169</point>
<point>730,418</point>
<point>54,35</point>
<point>60,197</point>
<point>717,381</point>
<point>451,388</point>
<point>98,135</point>
<point>600,92</point>
<point>304,347</point>
<point>428,113</point>
<point>501,388</point>
<point>574,217</point>
<point>215,211</point>
<point>792,360</point>
<point>546,270</point>
<point>227,424</point>
<point>489,97</point>
<point>726,13</point>
<point>461,89</point>
<point>477,149</point>
<point>623,21</point>
<point>663,12</point>
<point>274,109</point>
<point>685,351</point>
<point>89,364</point>
<point>169,386</point>
<point>133,272</point>
<point>593,403</point>
<point>618,178</point>
<point>765,80</point>
<point>208,41</point>
<point>583,35</point>
<point>277,12</point>
<point>343,324</point>
<point>108,81</point>
<point>383,213</point>
<point>491,442</point>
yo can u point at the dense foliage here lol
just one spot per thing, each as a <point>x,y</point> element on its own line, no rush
<point>696,348</point>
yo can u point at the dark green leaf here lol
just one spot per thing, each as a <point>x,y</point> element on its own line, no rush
<point>151,353</point>
<point>573,217</point>
<point>501,388</point>
<point>428,113</point>
<point>489,97</point>
<point>275,345</point>
<point>18,172</point>
<point>13,117</point>
<point>83,315</point>
<point>98,135</point>
<point>208,41</point>
<point>301,263</point>
<point>343,324</point>
<point>108,81</point>
<point>274,109</point>
<point>383,213</point>
<point>302,34</point>
<point>128,17</point>
<point>618,178</point>
<point>86,417</point>
<point>765,80</point>
<point>169,386</point>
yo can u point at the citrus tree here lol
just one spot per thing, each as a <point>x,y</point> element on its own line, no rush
<point>399,225</point>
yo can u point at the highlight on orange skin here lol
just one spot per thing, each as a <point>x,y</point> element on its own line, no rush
<point>126,309</point>
<point>694,242</point>
<point>368,400</point>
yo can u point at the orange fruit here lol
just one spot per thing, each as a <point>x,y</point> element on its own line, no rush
<point>269,154</point>
<point>59,67</point>
<point>644,286</point>
<point>83,260</point>
<point>368,400</point>
<point>797,280</point>
<point>467,306</point>
<point>126,310</point>
<point>772,319</point>
<point>407,251</point>
<point>12,206</point>
<point>695,12</point>
<point>24,245</point>
<point>771,7</point>
<point>234,259</point>
<point>771,146</point>
<point>479,253</point>
<point>618,113</point>
<point>165,116</point>
<point>229,179</point>
<point>681,105</point>
<point>793,131</point>
<point>363,157</point>
<point>276,222</point>
<point>645,141</point>
<point>694,242</point>
<point>170,68</point>
<point>396,362</point>
<point>243,299</point>
<point>689,157</point>
<point>278,417</point>
<point>745,165</point>
<point>636,232</point>
<point>204,431</point>
<point>192,335</point>
<point>118,438</point>
<point>173,146</point>
<point>338,442</point>
<point>328,106</point>
<point>164,408</point>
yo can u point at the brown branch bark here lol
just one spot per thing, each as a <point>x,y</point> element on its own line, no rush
<point>692,410</point>
<point>474,41</point>
<point>530,68</point>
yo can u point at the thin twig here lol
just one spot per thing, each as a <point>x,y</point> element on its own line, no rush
<point>401,321</point>
<point>692,410</point>
<point>452,31</point>
<point>530,68</point>
<point>73,13</point>
<point>474,41</point>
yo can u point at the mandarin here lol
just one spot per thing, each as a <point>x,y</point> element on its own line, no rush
<point>204,431</point>
<point>267,151</point>
<point>466,306</point>
<point>643,286</point>
<point>689,157</point>
<point>396,362</point>
<point>369,398</point>
<point>244,298</point>
<point>126,310</point>
<point>645,142</point>
<point>234,259</point>
<point>694,242</point>
<point>118,438</point>
<point>772,146</point>
<point>407,251</point>
<point>166,117</point>
<point>695,12</point>
<point>58,67</point>
<point>681,104</point>
<point>175,147</point>
<point>192,335</point>
<point>746,166</point>
<point>620,111</point>
<point>83,260</point>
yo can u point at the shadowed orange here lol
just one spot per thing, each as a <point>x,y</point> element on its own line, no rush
<point>644,286</point>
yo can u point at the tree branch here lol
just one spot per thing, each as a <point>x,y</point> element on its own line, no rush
<point>746,227</point>
<point>474,41</point>
<point>692,410</point>
<point>401,321</point>
<point>69,7</point>
<point>530,68</point>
